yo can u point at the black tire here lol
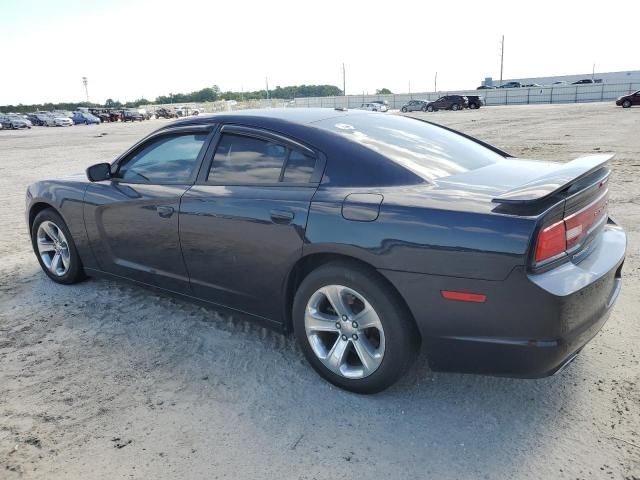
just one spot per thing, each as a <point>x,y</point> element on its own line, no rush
<point>455,107</point>
<point>401,336</point>
<point>404,110</point>
<point>626,104</point>
<point>424,109</point>
<point>75,272</point>
<point>430,108</point>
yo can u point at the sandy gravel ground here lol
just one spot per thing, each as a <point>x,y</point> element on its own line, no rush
<point>105,380</point>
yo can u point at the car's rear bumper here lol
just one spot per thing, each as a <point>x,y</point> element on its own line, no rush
<point>530,325</point>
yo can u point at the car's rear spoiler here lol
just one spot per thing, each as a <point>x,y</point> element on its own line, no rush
<point>555,181</point>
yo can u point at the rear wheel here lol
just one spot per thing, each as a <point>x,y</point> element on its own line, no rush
<point>352,328</point>
<point>626,104</point>
<point>404,109</point>
<point>430,108</point>
<point>455,106</point>
<point>55,249</point>
<point>424,109</point>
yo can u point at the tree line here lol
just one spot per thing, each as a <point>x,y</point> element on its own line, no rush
<point>209,94</point>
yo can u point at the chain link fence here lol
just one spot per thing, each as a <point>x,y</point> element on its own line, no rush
<point>598,92</point>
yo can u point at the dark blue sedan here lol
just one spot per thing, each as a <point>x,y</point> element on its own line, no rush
<point>369,236</point>
<point>84,118</point>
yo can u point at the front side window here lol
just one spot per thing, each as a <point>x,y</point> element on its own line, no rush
<point>241,159</point>
<point>167,159</point>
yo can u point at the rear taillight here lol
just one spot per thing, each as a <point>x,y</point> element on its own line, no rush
<point>570,231</point>
<point>552,241</point>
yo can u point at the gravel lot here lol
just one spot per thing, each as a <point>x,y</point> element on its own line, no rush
<point>106,380</point>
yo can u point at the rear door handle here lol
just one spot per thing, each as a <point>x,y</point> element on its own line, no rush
<point>165,211</point>
<point>281,216</point>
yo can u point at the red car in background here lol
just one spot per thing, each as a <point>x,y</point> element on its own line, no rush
<point>627,100</point>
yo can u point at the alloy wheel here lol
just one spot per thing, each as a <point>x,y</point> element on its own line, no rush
<point>344,331</point>
<point>53,248</point>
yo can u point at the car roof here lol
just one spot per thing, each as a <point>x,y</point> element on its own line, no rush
<point>300,116</point>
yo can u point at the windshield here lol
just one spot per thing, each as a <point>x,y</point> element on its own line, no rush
<point>425,149</point>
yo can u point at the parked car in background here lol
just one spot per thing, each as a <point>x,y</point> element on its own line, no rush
<point>369,236</point>
<point>559,83</point>
<point>627,100</point>
<point>14,121</point>
<point>62,113</point>
<point>447,102</point>
<point>511,85</point>
<point>35,119</point>
<point>164,113</point>
<point>61,121</point>
<point>383,103</point>
<point>486,87</point>
<point>132,116</point>
<point>531,85</point>
<point>474,101</point>
<point>373,107</point>
<point>584,81</point>
<point>413,105</point>
<point>84,118</point>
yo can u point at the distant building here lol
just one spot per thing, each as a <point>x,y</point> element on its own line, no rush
<point>607,77</point>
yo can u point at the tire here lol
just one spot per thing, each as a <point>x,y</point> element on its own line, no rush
<point>454,107</point>
<point>626,104</point>
<point>389,346</point>
<point>86,122</point>
<point>424,109</point>
<point>72,271</point>
<point>430,108</point>
<point>403,109</point>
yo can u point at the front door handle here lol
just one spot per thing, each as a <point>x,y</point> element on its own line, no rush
<point>165,211</point>
<point>281,216</point>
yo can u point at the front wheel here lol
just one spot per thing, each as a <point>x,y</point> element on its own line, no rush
<point>55,249</point>
<point>352,328</point>
<point>626,104</point>
<point>454,107</point>
<point>430,108</point>
<point>404,109</point>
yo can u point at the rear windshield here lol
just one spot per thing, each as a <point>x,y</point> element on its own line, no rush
<point>427,150</point>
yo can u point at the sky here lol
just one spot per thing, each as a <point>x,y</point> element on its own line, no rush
<point>133,48</point>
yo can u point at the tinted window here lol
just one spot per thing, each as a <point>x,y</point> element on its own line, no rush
<point>241,159</point>
<point>427,150</point>
<point>299,167</point>
<point>169,158</point>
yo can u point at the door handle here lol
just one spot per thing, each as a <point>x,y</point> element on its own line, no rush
<point>281,216</point>
<point>165,211</point>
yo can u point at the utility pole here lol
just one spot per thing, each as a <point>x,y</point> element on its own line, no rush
<point>501,59</point>
<point>435,83</point>
<point>85,82</point>
<point>267,81</point>
<point>409,87</point>
<point>344,81</point>
<point>593,73</point>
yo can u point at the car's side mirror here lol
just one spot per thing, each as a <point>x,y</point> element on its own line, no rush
<point>99,172</point>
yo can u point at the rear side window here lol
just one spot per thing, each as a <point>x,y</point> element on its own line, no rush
<point>241,159</point>
<point>425,149</point>
<point>299,168</point>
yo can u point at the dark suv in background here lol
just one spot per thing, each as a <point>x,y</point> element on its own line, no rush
<point>448,102</point>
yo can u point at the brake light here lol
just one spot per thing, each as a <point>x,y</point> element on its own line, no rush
<point>579,224</point>
<point>552,241</point>
<point>572,230</point>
